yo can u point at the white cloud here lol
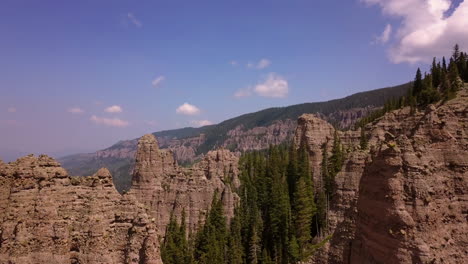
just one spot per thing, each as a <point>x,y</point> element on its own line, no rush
<point>200,123</point>
<point>156,82</point>
<point>273,86</point>
<point>385,36</point>
<point>243,92</point>
<point>262,64</point>
<point>131,17</point>
<point>114,122</point>
<point>233,63</point>
<point>426,30</point>
<point>113,109</point>
<point>11,110</point>
<point>75,110</point>
<point>188,109</point>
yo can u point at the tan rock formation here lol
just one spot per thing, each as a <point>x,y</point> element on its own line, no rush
<point>314,133</point>
<point>412,204</point>
<point>165,188</point>
<point>47,216</point>
<point>404,200</point>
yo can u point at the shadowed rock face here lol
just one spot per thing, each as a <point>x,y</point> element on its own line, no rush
<point>165,188</point>
<point>404,199</point>
<point>48,217</point>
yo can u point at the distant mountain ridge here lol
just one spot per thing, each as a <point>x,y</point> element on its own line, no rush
<point>246,132</point>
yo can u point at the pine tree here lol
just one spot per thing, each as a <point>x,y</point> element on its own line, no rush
<point>463,66</point>
<point>292,171</point>
<point>336,159</point>
<point>211,240</point>
<point>363,139</point>
<point>234,245</point>
<point>294,250</point>
<point>321,216</point>
<point>304,212</point>
<point>456,53</point>
<point>418,84</point>
<point>444,65</point>
<point>435,72</point>
<point>454,78</point>
<point>325,171</point>
<point>174,248</point>
<point>254,247</point>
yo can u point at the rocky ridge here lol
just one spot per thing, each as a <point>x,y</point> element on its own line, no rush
<point>165,188</point>
<point>404,200</point>
<point>47,216</point>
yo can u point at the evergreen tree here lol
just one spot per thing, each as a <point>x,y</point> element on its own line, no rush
<point>417,84</point>
<point>444,65</point>
<point>304,212</point>
<point>174,248</point>
<point>463,66</point>
<point>336,159</point>
<point>435,72</point>
<point>455,82</point>
<point>325,171</point>
<point>294,250</point>
<point>456,53</point>
<point>444,83</point>
<point>292,173</point>
<point>321,216</point>
<point>211,240</point>
<point>235,252</point>
<point>254,247</point>
<point>363,139</point>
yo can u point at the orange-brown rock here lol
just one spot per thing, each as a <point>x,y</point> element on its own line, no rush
<point>405,199</point>
<point>47,216</point>
<point>165,188</point>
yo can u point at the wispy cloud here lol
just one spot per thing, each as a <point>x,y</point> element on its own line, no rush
<point>158,80</point>
<point>11,110</point>
<point>200,123</point>
<point>75,110</point>
<point>233,63</point>
<point>427,28</point>
<point>262,64</point>
<point>187,109</point>
<point>131,17</point>
<point>385,36</point>
<point>151,123</point>
<point>114,109</point>
<point>272,86</point>
<point>113,122</point>
<point>246,92</point>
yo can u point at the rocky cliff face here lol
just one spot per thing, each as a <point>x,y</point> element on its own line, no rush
<point>404,199</point>
<point>187,150</point>
<point>47,216</point>
<point>165,188</point>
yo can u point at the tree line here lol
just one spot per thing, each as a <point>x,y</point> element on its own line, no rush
<point>279,218</point>
<point>441,83</point>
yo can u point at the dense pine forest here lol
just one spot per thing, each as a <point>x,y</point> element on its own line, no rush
<point>280,219</point>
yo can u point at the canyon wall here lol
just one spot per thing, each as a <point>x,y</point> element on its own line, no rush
<point>165,188</point>
<point>404,199</point>
<point>47,216</point>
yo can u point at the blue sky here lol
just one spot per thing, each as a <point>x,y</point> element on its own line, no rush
<point>63,63</point>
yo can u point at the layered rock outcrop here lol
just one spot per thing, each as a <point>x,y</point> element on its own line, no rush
<point>412,205</point>
<point>165,188</point>
<point>404,200</point>
<point>47,216</point>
